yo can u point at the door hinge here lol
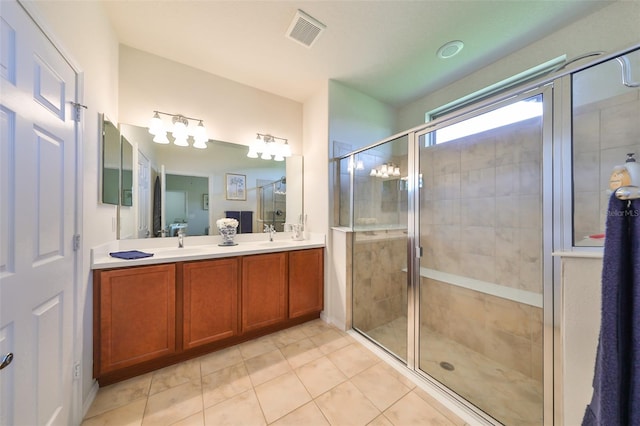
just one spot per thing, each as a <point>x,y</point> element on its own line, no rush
<point>77,108</point>
<point>76,242</point>
<point>418,252</point>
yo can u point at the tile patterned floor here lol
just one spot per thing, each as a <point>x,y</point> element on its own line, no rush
<point>312,374</point>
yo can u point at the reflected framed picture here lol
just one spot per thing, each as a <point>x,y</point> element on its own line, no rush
<point>236,186</point>
<point>205,201</point>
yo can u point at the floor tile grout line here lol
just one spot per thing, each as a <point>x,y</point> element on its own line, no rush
<point>280,348</point>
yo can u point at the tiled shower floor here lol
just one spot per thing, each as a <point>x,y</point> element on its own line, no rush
<point>312,374</point>
<point>505,394</point>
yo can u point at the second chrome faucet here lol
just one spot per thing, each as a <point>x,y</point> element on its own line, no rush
<point>271,230</point>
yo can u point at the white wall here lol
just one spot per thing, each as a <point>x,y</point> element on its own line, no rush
<point>354,120</point>
<point>612,28</point>
<point>82,31</point>
<point>232,112</point>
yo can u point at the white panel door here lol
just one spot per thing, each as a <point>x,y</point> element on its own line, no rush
<point>37,221</point>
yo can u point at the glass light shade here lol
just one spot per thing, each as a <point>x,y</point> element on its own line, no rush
<point>258,145</point>
<point>200,134</point>
<point>383,168</point>
<point>265,155</point>
<point>182,141</point>
<point>373,172</point>
<point>156,125</point>
<point>161,138</point>
<point>252,153</point>
<point>286,150</point>
<point>359,165</point>
<point>179,130</point>
<point>396,171</point>
<point>200,144</point>
<point>278,157</point>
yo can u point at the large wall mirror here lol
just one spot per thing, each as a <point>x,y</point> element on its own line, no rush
<point>176,187</point>
<point>110,171</point>
<point>606,101</point>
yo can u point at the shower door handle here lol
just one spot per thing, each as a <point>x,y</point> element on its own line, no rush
<point>418,252</point>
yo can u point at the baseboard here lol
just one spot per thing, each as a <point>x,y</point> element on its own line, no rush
<point>91,396</point>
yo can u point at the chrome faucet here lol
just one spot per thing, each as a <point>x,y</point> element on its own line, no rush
<point>181,238</point>
<point>271,230</point>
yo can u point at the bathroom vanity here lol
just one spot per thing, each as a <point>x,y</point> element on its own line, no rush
<point>182,303</point>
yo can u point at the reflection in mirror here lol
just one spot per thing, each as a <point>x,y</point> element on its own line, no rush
<point>110,181</point>
<point>126,173</point>
<point>606,101</point>
<point>212,164</point>
<point>185,207</point>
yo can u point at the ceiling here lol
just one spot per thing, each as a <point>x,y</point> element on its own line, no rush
<point>386,49</point>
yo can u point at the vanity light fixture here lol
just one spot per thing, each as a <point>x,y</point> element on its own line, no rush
<point>269,147</point>
<point>385,170</point>
<point>358,165</point>
<point>180,130</point>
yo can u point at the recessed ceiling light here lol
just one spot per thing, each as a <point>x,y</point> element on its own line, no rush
<point>450,49</point>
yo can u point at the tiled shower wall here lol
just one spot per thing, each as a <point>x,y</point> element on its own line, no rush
<point>481,206</point>
<point>481,218</point>
<point>603,133</point>
<point>379,267</point>
<point>504,331</point>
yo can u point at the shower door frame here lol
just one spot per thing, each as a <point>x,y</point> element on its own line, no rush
<point>549,146</point>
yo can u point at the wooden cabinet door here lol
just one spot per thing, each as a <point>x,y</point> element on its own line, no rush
<point>306,282</point>
<point>210,301</point>
<point>264,283</point>
<point>136,317</point>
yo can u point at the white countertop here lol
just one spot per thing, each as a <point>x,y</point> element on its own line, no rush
<point>165,250</point>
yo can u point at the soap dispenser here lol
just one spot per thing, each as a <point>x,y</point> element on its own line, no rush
<point>627,174</point>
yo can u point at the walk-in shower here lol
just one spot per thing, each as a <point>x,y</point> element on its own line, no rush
<point>473,206</point>
<point>454,225</point>
<point>272,204</point>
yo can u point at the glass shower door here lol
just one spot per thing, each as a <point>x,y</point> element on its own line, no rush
<point>481,272</point>
<point>379,245</point>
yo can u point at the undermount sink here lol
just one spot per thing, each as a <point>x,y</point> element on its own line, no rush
<point>178,251</point>
<point>276,243</point>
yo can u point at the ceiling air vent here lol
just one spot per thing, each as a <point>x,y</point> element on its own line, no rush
<point>304,29</point>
